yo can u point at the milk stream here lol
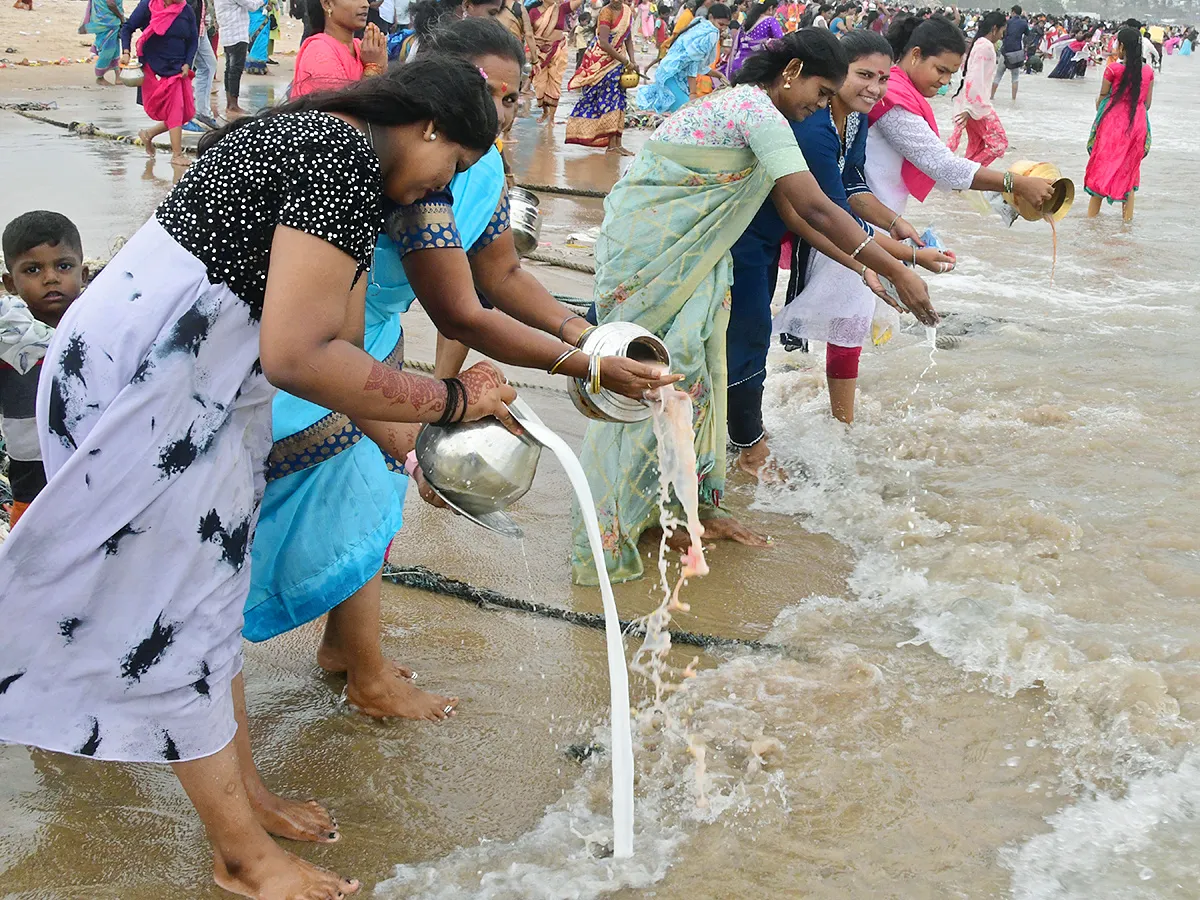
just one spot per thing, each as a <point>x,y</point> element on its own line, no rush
<point>618,678</point>
<point>671,415</point>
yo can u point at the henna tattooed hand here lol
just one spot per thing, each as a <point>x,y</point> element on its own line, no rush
<point>487,394</point>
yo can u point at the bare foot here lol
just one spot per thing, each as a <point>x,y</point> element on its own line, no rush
<point>333,661</point>
<point>619,151</point>
<point>180,159</point>
<point>280,876</point>
<point>756,462</point>
<point>147,141</point>
<point>234,112</point>
<point>388,695</point>
<point>295,820</point>
<point>730,529</point>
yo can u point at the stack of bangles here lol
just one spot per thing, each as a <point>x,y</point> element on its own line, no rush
<point>456,402</point>
<point>1008,182</point>
<point>593,375</point>
<point>371,70</point>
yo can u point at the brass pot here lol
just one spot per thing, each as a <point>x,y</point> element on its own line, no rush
<point>132,75</point>
<point>1060,200</point>
<point>630,79</point>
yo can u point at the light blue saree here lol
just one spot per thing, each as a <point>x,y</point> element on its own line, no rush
<point>334,500</point>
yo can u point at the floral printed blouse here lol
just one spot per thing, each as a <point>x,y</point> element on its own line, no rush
<point>737,118</point>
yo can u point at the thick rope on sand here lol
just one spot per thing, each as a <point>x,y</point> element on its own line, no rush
<point>425,579</point>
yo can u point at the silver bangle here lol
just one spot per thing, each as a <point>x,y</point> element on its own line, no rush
<point>914,262</point>
<point>863,275</point>
<point>859,249</point>
<point>892,224</point>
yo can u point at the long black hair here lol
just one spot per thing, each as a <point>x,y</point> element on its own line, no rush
<point>1130,84</point>
<point>932,36</point>
<point>450,92</point>
<point>817,48</point>
<point>861,42</point>
<point>756,13</point>
<point>992,20</point>
<point>473,37</point>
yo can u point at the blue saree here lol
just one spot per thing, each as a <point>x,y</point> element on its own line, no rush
<point>692,55</point>
<point>334,500</point>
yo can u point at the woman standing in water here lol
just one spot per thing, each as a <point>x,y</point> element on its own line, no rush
<point>170,36</point>
<point>598,119</point>
<point>663,261</point>
<point>1120,137</point>
<point>905,156</point>
<point>986,140</point>
<point>551,22</point>
<point>335,491</point>
<point>154,417</point>
<point>827,301</point>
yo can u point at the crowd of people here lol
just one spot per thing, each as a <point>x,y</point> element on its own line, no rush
<point>228,393</point>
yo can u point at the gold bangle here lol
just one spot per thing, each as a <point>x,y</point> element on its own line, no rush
<point>553,370</point>
<point>372,70</point>
<point>583,335</point>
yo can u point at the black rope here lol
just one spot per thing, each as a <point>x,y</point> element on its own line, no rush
<point>565,191</point>
<point>425,579</point>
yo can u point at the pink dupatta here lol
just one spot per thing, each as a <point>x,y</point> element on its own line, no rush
<point>161,18</point>
<point>903,93</point>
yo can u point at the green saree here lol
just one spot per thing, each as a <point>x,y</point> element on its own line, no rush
<point>662,261</point>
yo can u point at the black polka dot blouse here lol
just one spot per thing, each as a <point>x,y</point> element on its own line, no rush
<point>310,171</point>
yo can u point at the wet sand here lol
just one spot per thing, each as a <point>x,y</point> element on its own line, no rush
<point>983,587</point>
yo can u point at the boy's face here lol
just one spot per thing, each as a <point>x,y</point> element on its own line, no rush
<point>48,278</point>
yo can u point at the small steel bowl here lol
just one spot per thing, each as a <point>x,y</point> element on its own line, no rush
<point>480,469</point>
<point>525,219</point>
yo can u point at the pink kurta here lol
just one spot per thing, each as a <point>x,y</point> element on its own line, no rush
<point>326,64</point>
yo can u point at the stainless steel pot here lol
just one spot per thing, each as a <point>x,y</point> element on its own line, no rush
<point>618,339</point>
<point>525,219</point>
<point>132,75</point>
<point>480,469</point>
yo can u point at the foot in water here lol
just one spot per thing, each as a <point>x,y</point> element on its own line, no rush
<point>386,693</point>
<point>293,820</point>
<point>333,661</point>
<point>147,141</point>
<point>730,529</point>
<point>280,876</point>
<point>756,462</point>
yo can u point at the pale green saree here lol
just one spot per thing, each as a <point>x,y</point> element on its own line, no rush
<point>662,261</point>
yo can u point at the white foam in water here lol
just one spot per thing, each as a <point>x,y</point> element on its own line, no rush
<point>618,678</point>
<point>1143,845</point>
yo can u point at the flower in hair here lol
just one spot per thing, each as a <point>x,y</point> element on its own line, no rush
<point>481,72</point>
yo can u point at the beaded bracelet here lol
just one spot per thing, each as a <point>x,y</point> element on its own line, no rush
<point>859,248</point>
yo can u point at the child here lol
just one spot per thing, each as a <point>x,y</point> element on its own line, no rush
<point>44,258</point>
<point>581,35</point>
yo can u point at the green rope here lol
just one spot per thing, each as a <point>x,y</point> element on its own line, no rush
<point>425,579</point>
